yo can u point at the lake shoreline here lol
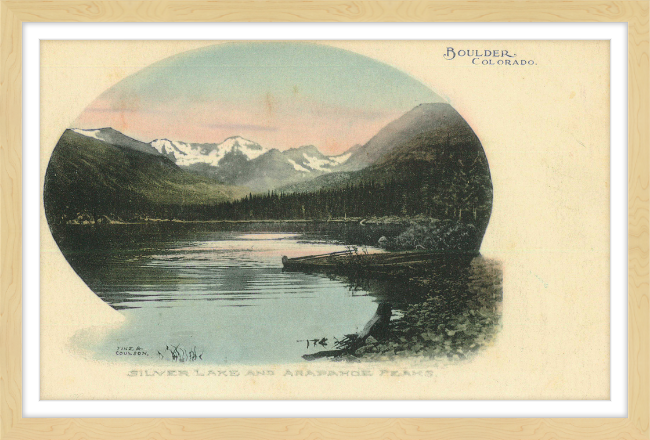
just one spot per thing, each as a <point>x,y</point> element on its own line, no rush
<point>392,220</point>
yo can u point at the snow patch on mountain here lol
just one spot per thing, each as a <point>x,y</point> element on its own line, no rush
<point>173,149</point>
<point>317,164</point>
<point>93,133</point>
<point>341,158</point>
<point>298,167</point>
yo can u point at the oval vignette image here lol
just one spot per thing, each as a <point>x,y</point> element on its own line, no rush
<point>269,203</point>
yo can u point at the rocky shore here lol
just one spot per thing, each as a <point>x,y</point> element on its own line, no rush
<point>455,313</point>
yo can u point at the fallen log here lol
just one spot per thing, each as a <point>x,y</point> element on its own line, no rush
<point>380,263</point>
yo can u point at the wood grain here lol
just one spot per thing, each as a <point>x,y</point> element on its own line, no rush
<point>638,239</point>
<point>14,13</point>
<point>10,221</point>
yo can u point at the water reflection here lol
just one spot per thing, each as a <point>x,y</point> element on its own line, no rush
<point>209,293</point>
<point>217,293</point>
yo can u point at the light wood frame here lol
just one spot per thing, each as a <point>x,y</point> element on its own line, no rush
<point>14,13</point>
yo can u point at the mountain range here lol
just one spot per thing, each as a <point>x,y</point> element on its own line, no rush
<point>235,161</point>
<point>427,162</point>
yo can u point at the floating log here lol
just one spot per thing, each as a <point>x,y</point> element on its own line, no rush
<point>378,263</point>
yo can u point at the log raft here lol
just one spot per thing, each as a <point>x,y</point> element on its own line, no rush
<point>378,263</point>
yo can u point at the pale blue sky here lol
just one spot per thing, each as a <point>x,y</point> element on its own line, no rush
<point>283,94</point>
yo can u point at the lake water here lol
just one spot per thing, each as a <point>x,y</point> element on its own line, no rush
<point>216,294</point>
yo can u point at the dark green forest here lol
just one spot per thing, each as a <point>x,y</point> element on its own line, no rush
<point>419,195</point>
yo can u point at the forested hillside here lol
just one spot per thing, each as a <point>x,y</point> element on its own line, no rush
<point>89,179</point>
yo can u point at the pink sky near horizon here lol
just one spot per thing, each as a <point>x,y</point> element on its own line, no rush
<point>269,121</point>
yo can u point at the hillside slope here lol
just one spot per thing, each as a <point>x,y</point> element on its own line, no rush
<point>424,118</point>
<point>114,137</point>
<point>91,178</point>
<point>429,162</point>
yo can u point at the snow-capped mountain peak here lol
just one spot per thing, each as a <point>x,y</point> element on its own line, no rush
<point>186,154</point>
<point>249,148</point>
<point>308,158</point>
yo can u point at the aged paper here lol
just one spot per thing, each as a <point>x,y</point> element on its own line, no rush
<point>457,194</point>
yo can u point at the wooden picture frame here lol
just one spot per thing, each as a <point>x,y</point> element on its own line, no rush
<point>14,13</point>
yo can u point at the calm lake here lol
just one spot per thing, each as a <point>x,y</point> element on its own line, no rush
<point>217,293</point>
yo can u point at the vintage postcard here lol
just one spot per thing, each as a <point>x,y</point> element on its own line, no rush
<point>325,220</point>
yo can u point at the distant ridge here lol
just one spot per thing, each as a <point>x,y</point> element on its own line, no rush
<point>114,137</point>
<point>236,161</point>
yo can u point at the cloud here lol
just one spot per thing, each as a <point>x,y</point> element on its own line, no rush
<point>241,127</point>
<point>116,110</point>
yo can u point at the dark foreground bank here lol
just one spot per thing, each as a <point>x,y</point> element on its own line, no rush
<point>450,311</point>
